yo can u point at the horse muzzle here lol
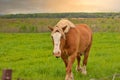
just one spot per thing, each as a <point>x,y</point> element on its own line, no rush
<point>57,55</point>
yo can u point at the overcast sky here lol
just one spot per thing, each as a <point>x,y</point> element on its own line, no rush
<point>52,6</point>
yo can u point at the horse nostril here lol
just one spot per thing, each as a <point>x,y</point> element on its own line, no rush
<point>57,57</point>
<point>59,52</point>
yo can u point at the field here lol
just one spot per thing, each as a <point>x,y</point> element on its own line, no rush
<point>35,25</point>
<point>30,57</point>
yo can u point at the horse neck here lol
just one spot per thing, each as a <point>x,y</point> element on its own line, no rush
<point>62,44</point>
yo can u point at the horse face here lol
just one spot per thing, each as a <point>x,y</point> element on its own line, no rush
<point>56,41</point>
<point>57,35</point>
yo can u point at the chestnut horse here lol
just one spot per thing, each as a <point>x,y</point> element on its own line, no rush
<point>70,42</point>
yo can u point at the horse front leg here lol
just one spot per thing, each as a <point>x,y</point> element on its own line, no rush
<point>69,75</point>
<point>65,59</point>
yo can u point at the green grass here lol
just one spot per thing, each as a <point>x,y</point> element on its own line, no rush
<point>30,57</point>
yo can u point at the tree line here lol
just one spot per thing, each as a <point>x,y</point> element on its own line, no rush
<point>63,15</point>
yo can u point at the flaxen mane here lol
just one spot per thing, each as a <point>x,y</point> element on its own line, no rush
<point>63,23</point>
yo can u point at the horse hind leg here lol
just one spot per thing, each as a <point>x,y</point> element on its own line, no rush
<point>86,54</point>
<point>78,67</point>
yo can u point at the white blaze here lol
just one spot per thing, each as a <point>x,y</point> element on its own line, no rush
<point>56,38</point>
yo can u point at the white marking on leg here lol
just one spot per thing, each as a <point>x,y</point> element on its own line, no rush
<point>84,70</point>
<point>69,77</point>
<point>78,69</point>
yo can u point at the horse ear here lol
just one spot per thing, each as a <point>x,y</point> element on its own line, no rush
<point>64,28</point>
<point>50,28</point>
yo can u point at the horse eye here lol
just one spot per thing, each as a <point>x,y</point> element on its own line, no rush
<point>61,36</point>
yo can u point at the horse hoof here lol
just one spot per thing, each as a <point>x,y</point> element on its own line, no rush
<point>78,69</point>
<point>84,72</point>
<point>69,77</point>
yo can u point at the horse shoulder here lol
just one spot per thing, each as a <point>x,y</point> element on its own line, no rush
<point>72,41</point>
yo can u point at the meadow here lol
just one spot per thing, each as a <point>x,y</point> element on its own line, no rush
<point>30,57</point>
<point>36,25</point>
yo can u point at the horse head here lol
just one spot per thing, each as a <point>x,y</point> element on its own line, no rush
<point>57,35</point>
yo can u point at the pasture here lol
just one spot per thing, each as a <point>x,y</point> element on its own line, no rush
<point>36,25</point>
<point>30,57</point>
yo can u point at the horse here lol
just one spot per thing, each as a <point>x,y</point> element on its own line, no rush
<point>71,42</point>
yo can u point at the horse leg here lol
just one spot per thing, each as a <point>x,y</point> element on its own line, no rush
<point>86,54</point>
<point>69,75</point>
<point>78,68</point>
<point>65,59</point>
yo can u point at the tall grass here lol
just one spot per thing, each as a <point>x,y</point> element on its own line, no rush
<point>30,57</point>
<point>35,25</point>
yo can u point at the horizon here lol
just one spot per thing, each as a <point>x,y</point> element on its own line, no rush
<point>64,6</point>
<point>55,13</point>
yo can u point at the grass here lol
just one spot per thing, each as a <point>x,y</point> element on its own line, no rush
<point>30,57</point>
<point>35,25</point>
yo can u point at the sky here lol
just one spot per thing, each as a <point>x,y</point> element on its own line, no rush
<point>58,6</point>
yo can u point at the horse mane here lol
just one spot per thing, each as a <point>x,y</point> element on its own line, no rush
<point>65,23</point>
